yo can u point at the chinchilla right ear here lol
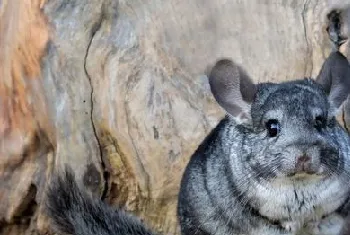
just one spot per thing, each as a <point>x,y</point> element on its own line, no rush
<point>334,77</point>
<point>232,88</point>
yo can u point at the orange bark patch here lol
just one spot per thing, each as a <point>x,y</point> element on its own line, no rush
<point>24,119</point>
<point>23,38</point>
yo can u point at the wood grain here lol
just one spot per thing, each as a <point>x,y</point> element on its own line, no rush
<point>117,90</point>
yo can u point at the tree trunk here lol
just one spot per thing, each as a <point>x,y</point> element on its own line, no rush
<point>116,90</point>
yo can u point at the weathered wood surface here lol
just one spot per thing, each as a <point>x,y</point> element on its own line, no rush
<point>27,136</point>
<point>121,94</point>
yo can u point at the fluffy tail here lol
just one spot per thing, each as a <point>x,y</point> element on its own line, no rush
<point>72,211</point>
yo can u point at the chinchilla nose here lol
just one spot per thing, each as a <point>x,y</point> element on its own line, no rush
<point>303,164</point>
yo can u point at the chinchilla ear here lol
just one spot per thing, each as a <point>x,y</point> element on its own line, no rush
<point>334,77</point>
<point>232,88</point>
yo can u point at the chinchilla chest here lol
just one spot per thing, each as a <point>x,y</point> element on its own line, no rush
<point>300,201</point>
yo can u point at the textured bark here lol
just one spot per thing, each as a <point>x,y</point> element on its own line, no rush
<point>121,93</point>
<point>27,135</point>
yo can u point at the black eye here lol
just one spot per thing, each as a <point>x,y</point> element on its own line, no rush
<point>320,123</point>
<point>273,127</point>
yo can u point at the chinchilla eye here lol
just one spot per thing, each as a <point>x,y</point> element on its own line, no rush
<point>273,127</point>
<point>320,123</point>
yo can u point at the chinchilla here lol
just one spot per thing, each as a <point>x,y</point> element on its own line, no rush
<point>277,163</point>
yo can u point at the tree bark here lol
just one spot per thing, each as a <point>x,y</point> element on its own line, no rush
<point>116,90</point>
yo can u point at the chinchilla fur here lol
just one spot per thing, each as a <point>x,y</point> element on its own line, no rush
<point>73,212</point>
<point>277,163</point>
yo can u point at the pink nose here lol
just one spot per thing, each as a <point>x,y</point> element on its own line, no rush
<point>303,164</point>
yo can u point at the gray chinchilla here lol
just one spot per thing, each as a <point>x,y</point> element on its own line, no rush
<point>278,163</point>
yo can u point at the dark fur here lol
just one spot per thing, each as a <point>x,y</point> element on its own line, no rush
<point>72,211</point>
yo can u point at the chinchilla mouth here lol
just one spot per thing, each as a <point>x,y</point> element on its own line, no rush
<point>301,177</point>
<point>305,176</point>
